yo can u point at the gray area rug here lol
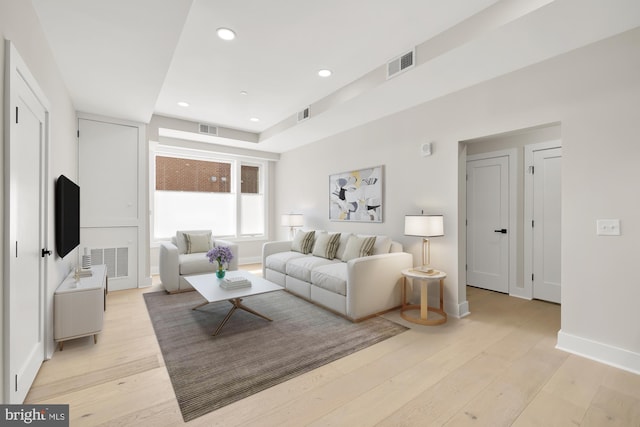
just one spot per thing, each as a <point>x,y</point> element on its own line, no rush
<point>250,354</point>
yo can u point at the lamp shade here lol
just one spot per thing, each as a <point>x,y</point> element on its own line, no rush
<point>292,220</point>
<point>424,225</point>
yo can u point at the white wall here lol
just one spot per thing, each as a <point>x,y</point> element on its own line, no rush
<point>19,23</point>
<point>593,93</point>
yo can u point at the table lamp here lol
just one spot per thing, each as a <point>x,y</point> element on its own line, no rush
<point>424,226</point>
<point>292,221</point>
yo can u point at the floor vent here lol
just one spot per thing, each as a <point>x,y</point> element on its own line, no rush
<point>208,129</point>
<point>303,115</point>
<point>401,64</point>
<point>116,260</point>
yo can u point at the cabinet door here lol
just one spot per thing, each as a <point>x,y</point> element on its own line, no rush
<point>78,314</point>
<point>108,168</point>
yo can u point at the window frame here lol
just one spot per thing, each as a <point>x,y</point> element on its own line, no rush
<point>157,149</point>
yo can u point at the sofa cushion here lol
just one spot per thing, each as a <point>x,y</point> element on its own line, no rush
<point>278,261</point>
<point>197,242</point>
<point>195,264</point>
<point>332,277</point>
<point>303,241</point>
<point>326,245</point>
<point>301,267</point>
<point>358,247</point>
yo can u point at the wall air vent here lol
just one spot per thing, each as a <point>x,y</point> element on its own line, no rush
<point>401,63</point>
<point>303,115</point>
<point>208,129</point>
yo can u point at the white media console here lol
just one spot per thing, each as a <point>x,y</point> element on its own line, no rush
<point>79,305</point>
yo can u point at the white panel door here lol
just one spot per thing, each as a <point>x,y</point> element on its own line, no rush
<point>27,214</point>
<point>547,202</point>
<point>108,171</point>
<point>487,223</point>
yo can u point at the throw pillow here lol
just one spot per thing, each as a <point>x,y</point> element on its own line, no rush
<point>344,238</point>
<point>358,247</point>
<point>198,242</point>
<point>303,241</point>
<point>381,246</point>
<point>326,245</point>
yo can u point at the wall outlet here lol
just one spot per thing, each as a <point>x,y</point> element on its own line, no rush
<point>608,227</point>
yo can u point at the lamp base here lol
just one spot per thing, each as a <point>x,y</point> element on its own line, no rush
<point>424,269</point>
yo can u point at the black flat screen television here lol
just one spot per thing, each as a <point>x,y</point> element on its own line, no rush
<point>67,215</point>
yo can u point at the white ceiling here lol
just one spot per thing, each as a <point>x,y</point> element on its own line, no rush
<point>132,59</point>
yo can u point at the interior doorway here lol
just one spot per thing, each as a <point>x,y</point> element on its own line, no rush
<point>525,147</point>
<point>25,300</point>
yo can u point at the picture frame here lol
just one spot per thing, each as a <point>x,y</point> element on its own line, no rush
<point>356,196</point>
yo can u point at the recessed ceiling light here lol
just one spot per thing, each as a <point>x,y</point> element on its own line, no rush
<point>244,92</point>
<point>226,34</point>
<point>183,104</point>
<point>324,73</point>
<point>254,119</point>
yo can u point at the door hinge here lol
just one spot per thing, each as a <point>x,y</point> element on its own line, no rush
<point>532,223</point>
<point>78,133</point>
<point>16,382</point>
<point>16,114</point>
<point>466,267</point>
<point>531,170</point>
<point>16,249</point>
<point>532,277</point>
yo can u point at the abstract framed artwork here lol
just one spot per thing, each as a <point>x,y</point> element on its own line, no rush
<point>356,195</point>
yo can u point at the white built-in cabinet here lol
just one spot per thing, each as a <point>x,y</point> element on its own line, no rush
<point>112,160</point>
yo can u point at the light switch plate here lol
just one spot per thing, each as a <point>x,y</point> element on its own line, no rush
<point>608,227</point>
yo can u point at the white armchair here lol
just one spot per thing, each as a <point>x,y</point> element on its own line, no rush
<point>185,254</point>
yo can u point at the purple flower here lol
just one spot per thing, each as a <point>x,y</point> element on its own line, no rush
<point>220,254</point>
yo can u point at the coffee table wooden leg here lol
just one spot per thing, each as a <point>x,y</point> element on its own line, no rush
<point>237,304</point>
<point>245,308</point>
<point>226,318</point>
<point>200,305</point>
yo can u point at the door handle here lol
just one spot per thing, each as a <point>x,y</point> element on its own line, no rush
<point>45,252</point>
<point>502,230</point>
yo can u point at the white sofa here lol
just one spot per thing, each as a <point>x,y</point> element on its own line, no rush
<point>357,288</point>
<point>177,260</point>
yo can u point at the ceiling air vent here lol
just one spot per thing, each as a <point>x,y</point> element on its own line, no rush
<point>401,63</point>
<point>303,115</point>
<point>208,129</point>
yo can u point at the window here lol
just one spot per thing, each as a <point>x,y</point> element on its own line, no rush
<point>193,192</point>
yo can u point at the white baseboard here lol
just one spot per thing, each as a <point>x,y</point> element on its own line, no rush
<point>463,309</point>
<point>600,352</point>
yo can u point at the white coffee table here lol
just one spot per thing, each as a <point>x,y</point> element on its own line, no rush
<point>208,285</point>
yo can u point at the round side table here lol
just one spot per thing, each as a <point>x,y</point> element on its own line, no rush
<point>424,308</point>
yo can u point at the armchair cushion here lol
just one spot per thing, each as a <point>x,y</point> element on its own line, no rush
<point>196,263</point>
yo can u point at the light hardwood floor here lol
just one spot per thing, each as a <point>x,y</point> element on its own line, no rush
<point>496,367</point>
